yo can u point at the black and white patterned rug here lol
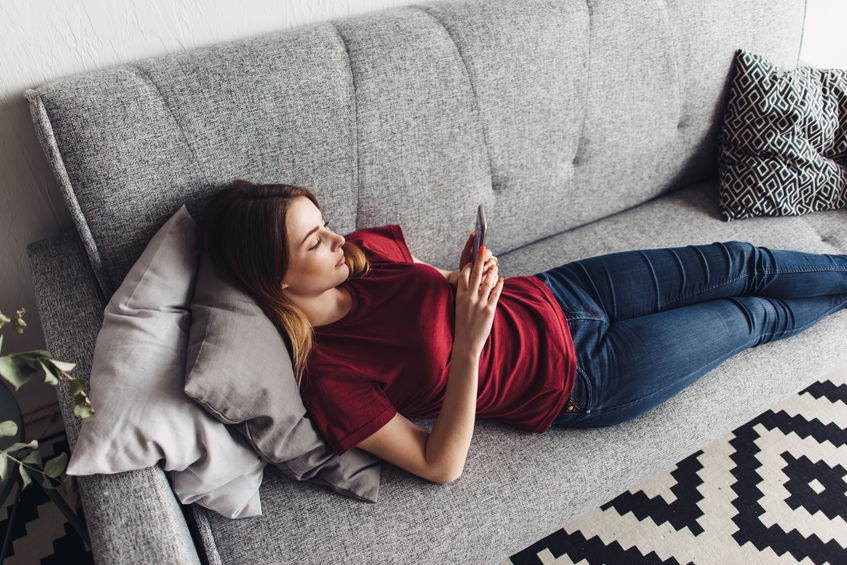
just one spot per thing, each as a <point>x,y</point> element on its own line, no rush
<point>772,491</point>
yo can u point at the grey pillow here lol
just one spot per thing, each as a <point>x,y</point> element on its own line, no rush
<point>783,144</point>
<point>143,416</point>
<point>239,369</point>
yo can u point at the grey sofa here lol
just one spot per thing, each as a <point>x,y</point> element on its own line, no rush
<point>584,128</point>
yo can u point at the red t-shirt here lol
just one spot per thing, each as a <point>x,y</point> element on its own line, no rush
<point>391,352</point>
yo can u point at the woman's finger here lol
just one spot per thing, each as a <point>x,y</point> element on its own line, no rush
<point>478,268</point>
<point>494,295</point>
<point>465,255</point>
<point>489,275</point>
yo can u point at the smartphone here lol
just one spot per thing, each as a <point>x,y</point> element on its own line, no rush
<point>481,227</point>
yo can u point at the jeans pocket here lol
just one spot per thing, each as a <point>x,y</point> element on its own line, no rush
<point>574,409</point>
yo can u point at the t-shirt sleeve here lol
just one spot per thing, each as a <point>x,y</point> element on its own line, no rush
<point>385,244</point>
<point>345,409</point>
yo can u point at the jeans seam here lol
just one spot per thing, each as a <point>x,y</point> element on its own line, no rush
<point>585,386</point>
<point>747,276</point>
<point>601,411</point>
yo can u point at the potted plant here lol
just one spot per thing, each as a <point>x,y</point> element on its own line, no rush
<point>25,459</point>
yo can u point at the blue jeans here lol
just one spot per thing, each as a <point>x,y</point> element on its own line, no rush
<point>646,324</point>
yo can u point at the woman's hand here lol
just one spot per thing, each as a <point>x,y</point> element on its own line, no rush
<point>464,258</point>
<point>467,253</point>
<point>440,455</point>
<point>478,290</point>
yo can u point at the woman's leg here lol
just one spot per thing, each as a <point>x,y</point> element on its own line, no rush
<point>648,323</point>
<point>634,283</point>
<point>631,366</point>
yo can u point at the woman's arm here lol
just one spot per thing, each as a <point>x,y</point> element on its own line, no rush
<point>440,455</point>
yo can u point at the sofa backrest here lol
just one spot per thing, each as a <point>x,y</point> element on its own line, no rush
<point>551,113</point>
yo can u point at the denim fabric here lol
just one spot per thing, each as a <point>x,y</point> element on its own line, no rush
<point>646,324</point>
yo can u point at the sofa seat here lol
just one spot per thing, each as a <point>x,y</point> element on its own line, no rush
<point>587,467</point>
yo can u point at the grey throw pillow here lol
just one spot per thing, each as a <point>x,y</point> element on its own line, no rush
<point>143,416</point>
<point>239,369</point>
<point>783,145</point>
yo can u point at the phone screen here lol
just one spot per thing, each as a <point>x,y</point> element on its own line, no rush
<point>481,226</point>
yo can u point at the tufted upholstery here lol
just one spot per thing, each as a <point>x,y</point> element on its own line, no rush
<point>584,126</point>
<point>413,116</point>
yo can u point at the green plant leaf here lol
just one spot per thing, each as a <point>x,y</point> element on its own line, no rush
<point>76,385</point>
<point>69,485</point>
<point>4,465</point>
<point>82,406</point>
<point>1,336</point>
<point>4,319</point>
<point>82,412</point>
<point>25,476</point>
<point>18,446</point>
<point>63,365</point>
<point>16,371</point>
<point>56,466</point>
<point>34,460</point>
<point>8,429</point>
<point>51,483</point>
<point>49,376</point>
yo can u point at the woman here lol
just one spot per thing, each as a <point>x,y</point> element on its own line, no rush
<point>378,337</point>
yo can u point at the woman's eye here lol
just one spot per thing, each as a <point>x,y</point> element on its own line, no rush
<point>315,246</point>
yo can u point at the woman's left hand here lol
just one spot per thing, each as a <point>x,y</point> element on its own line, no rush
<point>467,257</point>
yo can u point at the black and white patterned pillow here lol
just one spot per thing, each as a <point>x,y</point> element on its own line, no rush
<point>783,145</point>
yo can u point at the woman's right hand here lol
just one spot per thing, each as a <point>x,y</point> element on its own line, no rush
<point>477,292</point>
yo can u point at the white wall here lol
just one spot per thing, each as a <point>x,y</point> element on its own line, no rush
<point>45,39</point>
<point>824,40</point>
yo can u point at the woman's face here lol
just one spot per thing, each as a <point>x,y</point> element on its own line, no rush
<point>316,260</point>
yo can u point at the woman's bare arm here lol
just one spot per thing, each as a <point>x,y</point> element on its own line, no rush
<point>438,456</point>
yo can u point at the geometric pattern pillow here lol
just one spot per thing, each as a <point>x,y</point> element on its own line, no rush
<point>783,144</point>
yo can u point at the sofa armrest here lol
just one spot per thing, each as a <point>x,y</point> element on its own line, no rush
<point>132,517</point>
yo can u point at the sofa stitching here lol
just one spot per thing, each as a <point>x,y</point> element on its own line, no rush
<point>147,78</point>
<point>356,171</point>
<point>467,73</point>
<point>48,141</point>
<point>673,56</point>
<point>579,150</point>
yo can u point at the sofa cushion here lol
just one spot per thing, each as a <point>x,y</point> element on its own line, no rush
<point>519,486</point>
<point>142,414</point>
<point>239,369</point>
<point>784,140</point>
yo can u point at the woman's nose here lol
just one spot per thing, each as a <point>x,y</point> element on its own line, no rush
<point>341,240</point>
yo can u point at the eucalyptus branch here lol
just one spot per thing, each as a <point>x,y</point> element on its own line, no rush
<point>18,369</point>
<point>32,464</point>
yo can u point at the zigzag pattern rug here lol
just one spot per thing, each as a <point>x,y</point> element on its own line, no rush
<point>772,491</point>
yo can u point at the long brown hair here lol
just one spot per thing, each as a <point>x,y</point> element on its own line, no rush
<point>244,234</point>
